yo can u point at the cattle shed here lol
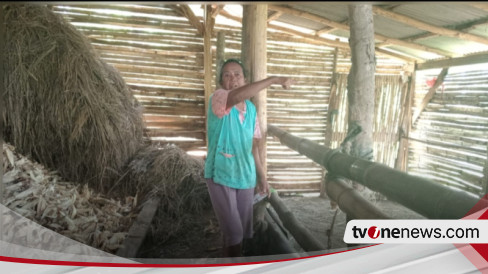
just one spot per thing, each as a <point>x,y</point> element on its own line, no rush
<point>428,137</point>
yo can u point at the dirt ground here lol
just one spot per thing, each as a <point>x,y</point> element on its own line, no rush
<point>203,240</point>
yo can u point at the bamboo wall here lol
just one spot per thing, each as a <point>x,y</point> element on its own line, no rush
<point>449,141</point>
<point>160,56</point>
<point>166,74</point>
<point>390,96</point>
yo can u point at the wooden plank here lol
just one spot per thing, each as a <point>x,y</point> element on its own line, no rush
<point>430,94</point>
<point>137,232</point>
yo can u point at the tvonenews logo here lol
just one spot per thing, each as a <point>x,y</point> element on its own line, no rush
<point>416,231</point>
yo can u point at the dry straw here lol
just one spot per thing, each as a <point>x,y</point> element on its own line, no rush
<point>72,112</point>
<point>65,107</point>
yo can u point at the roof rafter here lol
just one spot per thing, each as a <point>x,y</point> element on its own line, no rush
<point>431,28</point>
<point>274,16</point>
<point>186,11</point>
<point>322,41</point>
<point>337,25</point>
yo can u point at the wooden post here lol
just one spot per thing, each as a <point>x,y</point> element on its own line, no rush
<point>207,62</point>
<point>254,57</point>
<point>331,112</point>
<point>360,85</point>
<point>220,56</point>
<point>401,162</point>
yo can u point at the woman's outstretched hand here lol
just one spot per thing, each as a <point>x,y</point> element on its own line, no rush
<point>285,82</point>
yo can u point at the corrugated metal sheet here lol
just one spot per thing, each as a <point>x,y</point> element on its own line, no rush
<point>441,13</point>
<point>453,15</point>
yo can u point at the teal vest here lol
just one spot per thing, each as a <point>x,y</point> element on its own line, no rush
<point>229,136</point>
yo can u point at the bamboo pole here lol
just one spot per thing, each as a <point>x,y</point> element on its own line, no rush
<point>301,234</point>
<point>401,162</point>
<point>430,199</point>
<point>279,241</point>
<point>331,110</point>
<point>351,202</point>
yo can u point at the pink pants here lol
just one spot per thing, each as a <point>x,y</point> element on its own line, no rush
<point>234,211</point>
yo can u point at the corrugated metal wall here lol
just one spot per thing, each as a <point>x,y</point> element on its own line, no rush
<point>449,141</point>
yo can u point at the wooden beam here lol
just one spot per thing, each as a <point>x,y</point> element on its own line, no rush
<point>430,94</point>
<point>452,62</point>
<point>338,25</point>
<point>424,26</point>
<point>216,9</point>
<point>138,230</point>
<point>185,10</point>
<point>274,16</point>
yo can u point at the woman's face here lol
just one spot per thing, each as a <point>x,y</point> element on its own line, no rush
<point>232,76</point>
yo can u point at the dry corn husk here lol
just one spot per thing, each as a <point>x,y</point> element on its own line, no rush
<point>64,207</point>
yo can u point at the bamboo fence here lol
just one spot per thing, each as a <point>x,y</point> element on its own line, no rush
<point>449,141</point>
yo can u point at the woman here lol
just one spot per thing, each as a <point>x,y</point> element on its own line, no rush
<point>233,155</point>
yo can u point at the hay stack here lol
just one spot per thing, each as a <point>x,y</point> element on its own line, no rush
<point>70,111</point>
<point>177,179</point>
<point>63,105</point>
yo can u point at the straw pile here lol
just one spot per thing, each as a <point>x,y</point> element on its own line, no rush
<point>71,112</point>
<point>65,207</point>
<point>173,176</point>
<point>64,106</point>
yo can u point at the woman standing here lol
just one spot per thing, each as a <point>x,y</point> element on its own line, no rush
<point>233,164</point>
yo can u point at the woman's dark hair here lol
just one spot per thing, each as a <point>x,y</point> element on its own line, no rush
<point>231,60</point>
